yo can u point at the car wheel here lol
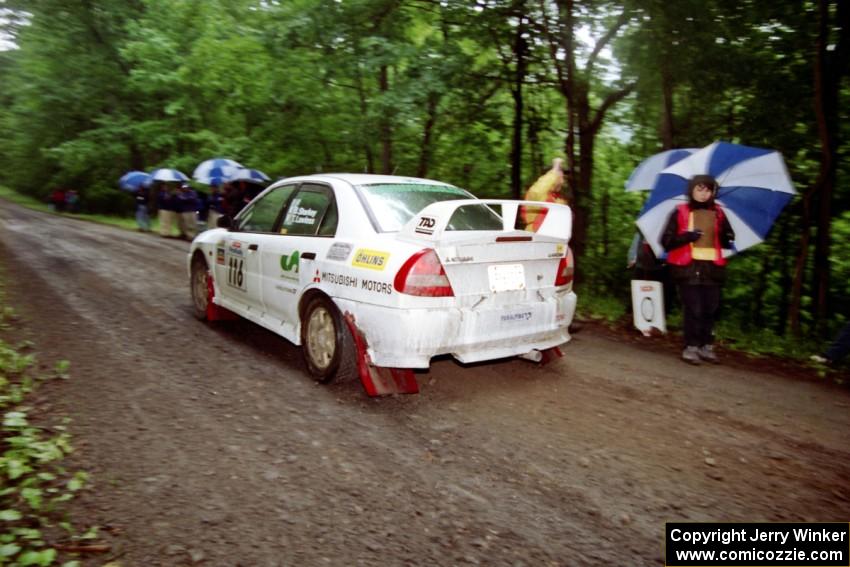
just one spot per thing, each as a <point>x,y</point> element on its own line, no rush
<point>200,288</point>
<point>326,342</point>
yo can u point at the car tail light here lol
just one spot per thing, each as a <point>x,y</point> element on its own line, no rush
<point>423,274</point>
<point>566,270</point>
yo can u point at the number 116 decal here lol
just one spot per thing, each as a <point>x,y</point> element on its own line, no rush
<point>235,274</point>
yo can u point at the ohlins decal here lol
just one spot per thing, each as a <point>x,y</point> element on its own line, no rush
<point>371,259</point>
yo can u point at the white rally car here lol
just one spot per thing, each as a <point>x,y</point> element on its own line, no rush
<point>371,273</point>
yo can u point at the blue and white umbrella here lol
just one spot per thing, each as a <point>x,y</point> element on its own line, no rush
<point>249,175</point>
<point>165,174</point>
<point>754,187</point>
<point>132,180</point>
<point>645,175</point>
<point>215,170</point>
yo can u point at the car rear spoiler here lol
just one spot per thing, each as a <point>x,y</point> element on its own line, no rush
<point>430,223</point>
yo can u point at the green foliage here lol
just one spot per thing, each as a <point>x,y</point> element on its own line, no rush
<point>601,307</point>
<point>34,483</point>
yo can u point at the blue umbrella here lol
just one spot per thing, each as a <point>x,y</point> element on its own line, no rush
<point>250,175</point>
<point>645,175</point>
<point>132,180</point>
<point>215,169</point>
<point>166,174</point>
<point>754,187</point>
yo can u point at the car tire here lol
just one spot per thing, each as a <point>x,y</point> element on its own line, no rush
<point>199,287</point>
<point>326,342</point>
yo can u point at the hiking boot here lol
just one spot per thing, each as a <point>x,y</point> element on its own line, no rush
<point>706,352</point>
<point>691,355</point>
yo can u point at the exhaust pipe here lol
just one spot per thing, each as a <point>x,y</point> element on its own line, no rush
<point>532,355</point>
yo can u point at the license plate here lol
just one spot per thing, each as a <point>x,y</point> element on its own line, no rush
<point>506,277</point>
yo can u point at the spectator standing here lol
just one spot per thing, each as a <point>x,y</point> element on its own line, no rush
<point>143,220</point>
<point>57,200</point>
<point>72,201</point>
<point>187,211</point>
<point>215,205</point>
<point>165,203</point>
<point>694,237</point>
<point>233,202</point>
<point>203,209</point>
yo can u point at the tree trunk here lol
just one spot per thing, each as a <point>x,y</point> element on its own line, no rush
<point>667,134</point>
<point>827,83</point>
<point>800,269</point>
<point>583,123</point>
<point>427,133</point>
<point>829,69</point>
<point>385,127</point>
<point>364,118</point>
<point>520,55</point>
<point>535,152</point>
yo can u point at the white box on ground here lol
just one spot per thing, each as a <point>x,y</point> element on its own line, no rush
<point>648,306</point>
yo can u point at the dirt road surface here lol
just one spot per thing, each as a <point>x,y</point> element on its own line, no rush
<point>210,444</point>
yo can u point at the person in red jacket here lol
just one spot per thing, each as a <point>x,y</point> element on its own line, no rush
<point>695,236</point>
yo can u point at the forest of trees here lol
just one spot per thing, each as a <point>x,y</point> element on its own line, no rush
<point>479,93</point>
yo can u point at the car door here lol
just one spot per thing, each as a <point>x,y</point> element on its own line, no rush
<point>291,262</point>
<point>240,276</point>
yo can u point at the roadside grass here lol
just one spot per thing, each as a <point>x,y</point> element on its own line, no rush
<point>34,483</point>
<point>32,203</point>
<point>614,313</point>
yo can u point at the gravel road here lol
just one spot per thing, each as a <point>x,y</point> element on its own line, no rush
<point>210,444</point>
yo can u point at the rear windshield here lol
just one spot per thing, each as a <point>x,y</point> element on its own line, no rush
<point>394,204</point>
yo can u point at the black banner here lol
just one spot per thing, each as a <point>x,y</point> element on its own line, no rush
<point>757,544</point>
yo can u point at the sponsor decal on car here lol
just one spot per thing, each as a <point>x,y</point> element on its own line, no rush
<point>289,265</point>
<point>339,279</point>
<point>235,249</point>
<point>559,251</point>
<point>219,256</point>
<point>370,259</point>
<point>339,251</point>
<point>426,225</point>
<point>299,215</point>
<point>376,286</point>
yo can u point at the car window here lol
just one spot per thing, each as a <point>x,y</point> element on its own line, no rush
<point>394,204</point>
<point>312,211</point>
<point>474,217</point>
<point>261,214</point>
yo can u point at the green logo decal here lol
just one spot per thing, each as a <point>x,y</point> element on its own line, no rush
<point>290,263</point>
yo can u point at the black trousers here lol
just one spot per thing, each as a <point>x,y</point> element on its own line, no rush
<point>699,306</point>
<point>841,346</point>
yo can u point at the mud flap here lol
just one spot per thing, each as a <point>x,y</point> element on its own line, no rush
<point>217,312</point>
<point>379,380</point>
<point>550,355</point>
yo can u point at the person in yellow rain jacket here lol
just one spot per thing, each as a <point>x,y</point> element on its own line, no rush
<point>546,189</point>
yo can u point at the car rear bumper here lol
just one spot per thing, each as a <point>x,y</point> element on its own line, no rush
<point>409,338</point>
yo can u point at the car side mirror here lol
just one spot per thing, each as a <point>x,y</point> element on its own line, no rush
<point>224,221</point>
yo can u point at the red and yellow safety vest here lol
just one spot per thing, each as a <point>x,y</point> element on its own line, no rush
<point>683,255</point>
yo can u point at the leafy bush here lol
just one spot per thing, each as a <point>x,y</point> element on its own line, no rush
<point>34,483</point>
